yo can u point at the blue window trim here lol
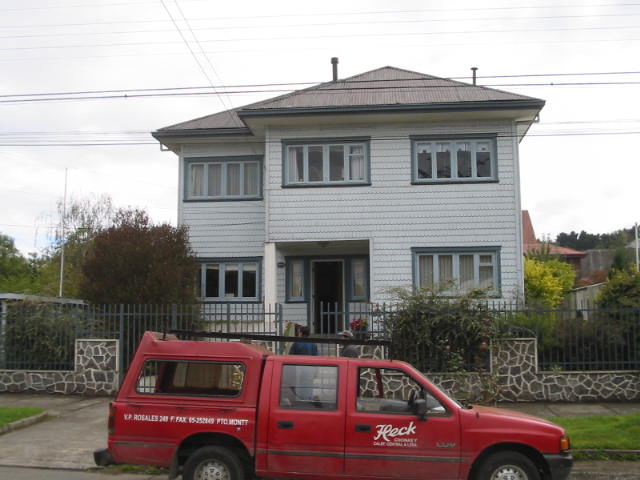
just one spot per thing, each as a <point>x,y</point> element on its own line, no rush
<point>188,161</point>
<point>348,275</point>
<point>493,250</point>
<point>365,141</point>
<point>204,261</point>
<point>452,138</point>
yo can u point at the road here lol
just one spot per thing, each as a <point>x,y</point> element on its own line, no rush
<point>597,471</point>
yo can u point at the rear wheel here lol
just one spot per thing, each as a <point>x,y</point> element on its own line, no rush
<point>213,463</point>
<point>508,466</point>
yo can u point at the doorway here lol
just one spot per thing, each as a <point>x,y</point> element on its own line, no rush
<point>327,294</point>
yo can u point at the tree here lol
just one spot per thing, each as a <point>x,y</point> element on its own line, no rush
<point>17,273</point>
<point>77,224</point>
<point>547,282</point>
<point>622,290</point>
<point>134,261</point>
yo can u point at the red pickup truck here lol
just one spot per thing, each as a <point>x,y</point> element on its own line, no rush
<point>228,410</point>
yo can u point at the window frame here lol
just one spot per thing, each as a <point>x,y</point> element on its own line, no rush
<point>224,162</point>
<point>312,405</point>
<point>452,140</point>
<point>240,261</point>
<point>326,143</point>
<point>306,273</point>
<point>456,252</point>
<point>187,360</point>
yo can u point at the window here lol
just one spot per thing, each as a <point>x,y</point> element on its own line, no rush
<point>454,160</point>
<point>465,268</point>
<point>175,377</point>
<point>228,178</point>
<point>230,279</point>
<point>309,387</point>
<point>357,275</point>
<point>390,391</point>
<point>326,162</point>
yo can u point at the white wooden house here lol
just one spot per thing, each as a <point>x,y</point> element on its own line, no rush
<point>337,192</point>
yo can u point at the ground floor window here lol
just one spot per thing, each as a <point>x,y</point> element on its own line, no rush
<point>230,279</point>
<point>457,269</point>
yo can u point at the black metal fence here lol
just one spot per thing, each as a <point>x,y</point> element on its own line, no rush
<point>41,336</point>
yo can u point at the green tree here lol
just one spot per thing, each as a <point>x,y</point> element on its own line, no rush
<point>77,224</point>
<point>622,290</point>
<point>135,261</point>
<point>17,273</point>
<point>547,282</point>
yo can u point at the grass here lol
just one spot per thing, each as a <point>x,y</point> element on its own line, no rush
<point>11,414</point>
<point>615,432</point>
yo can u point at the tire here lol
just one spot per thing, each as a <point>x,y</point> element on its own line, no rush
<point>213,463</point>
<point>508,466</point>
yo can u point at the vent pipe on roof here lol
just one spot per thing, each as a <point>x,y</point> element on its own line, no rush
<point>474,69</point>
<point>334,62</point>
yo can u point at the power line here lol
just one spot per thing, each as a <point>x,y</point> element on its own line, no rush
<point>244,26</point>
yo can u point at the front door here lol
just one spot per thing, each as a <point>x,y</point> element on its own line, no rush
<point>306,419</point>
<point>327,295</point>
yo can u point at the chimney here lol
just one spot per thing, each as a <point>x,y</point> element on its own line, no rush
<point>474,69</point>
<point>334,62</point>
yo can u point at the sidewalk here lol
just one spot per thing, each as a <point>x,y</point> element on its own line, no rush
<point>78,425</point>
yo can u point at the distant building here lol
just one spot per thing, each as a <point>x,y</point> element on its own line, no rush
<point>531,245</point>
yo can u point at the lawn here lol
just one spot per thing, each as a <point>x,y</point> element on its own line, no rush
<point>615,432</point>
<point>11,414</point>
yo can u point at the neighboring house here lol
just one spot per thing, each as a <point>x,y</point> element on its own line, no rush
<point>334,193</point>
<point>531,245</point>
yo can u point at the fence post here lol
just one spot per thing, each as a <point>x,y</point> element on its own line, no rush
<point>4,312</point>
<point>121,338</point>
<point>228,317</point>
<point>174,316</point>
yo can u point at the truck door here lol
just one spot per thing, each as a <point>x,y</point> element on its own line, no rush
<point>307,418</point>
<point>384,438</point>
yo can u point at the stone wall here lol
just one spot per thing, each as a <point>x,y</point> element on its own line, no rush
<point>95,373</point>
<point>515,377</point>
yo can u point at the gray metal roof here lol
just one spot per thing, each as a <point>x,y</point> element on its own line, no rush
<point>386,88</point>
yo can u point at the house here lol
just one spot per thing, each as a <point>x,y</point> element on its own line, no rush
<point>532,246</point>
<point>326,197</point>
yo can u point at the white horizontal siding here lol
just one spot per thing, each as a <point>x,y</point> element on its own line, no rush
<point>395,215</point>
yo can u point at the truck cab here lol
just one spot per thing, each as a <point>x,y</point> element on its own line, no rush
<point>229,410</point>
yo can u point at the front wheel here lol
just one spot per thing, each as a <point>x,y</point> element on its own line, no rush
<point>213,463</point>
<point>508,466</point>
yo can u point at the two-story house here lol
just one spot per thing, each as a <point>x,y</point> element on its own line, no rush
<point>337,192</point>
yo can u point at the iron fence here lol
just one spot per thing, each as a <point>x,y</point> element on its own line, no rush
<point>37,336</point>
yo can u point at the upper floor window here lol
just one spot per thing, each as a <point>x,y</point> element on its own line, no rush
<point>463,268</point>
<point>223,178</point>
<point>230,279</point>
<point>326,162</point>
<point>453,160</point>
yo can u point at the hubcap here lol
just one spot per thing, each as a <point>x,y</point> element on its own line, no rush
<point>509,472</point>
<point>212,470</point>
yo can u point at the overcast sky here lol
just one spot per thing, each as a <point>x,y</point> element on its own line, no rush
<point>579,165</point>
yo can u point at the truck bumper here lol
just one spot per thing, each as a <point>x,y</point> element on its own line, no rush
<point>102,457</point>
<point>559,466</point>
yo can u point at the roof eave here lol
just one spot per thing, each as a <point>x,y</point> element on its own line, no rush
<point>160,135</point>
<point>430,107</point>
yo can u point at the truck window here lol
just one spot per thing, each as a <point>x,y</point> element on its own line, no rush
<point>191,378</point>
<point>309,387</point>
<point>389,390</point>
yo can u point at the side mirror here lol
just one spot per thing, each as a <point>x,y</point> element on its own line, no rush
<point>420,408</point>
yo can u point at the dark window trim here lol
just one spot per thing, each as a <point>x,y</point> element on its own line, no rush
<point>286,143</point>
<point>188,161</point>
<point>188,360</point>
<point>451,137</point>
<point>306,259</point>
<point>321,365</point>
<point>203,261</point>
<point>495,250</point>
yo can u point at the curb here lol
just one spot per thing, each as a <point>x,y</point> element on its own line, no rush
<point>25,422</point>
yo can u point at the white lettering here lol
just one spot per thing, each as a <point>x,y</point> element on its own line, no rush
<point>388,431</point>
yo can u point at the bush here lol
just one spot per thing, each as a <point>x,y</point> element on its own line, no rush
<point>622,290</point>
<point>547,282</point>
<point>441,334</point>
